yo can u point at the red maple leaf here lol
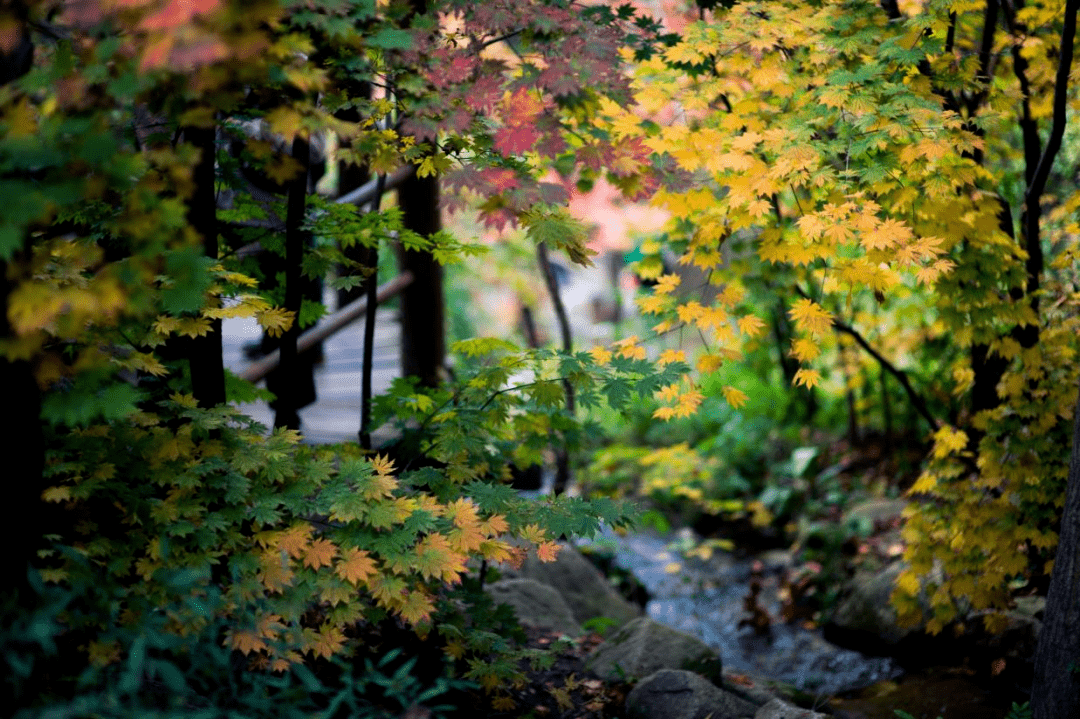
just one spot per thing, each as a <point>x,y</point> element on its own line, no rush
<point>516,138</point>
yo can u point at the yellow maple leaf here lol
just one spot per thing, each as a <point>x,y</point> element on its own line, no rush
<point>320,553</point>
<point>600,355</point>
<point>355,566</point>
<point>664,413</point>
<point>948,440</point>
<point>382,465</point>
<point>808,377</point>
<point>654,304</point>
<point>735,397</point>
<point>804,349</point>
<point>810,316</point>
<point>889,233</point>
<point>908,583</point>
<point>666,284</point>
<point>275,320</point>
<point>751,325</point>
<point>668,356</point>
<point>709,362</point>
<point>56,494</point>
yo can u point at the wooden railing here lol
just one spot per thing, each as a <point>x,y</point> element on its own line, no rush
<point>328,326</point>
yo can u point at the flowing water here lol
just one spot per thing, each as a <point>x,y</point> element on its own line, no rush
<point>705,598</point>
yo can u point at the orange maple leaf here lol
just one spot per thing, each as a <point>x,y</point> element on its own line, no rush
<point>276,573</point>
<point>246,642</point>
<point>355,566</point>
<point>294,540</point>
<point>548,551</point>
<point>320,553</point>
<point>417,607</point>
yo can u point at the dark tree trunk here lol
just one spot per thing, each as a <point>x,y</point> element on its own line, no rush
<point>1055,692</point>
<point>204,353</point>
<point>423,313</point>
<point>21,438</point>
<point>289,401</point>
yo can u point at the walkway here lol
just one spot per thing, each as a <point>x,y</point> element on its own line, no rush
<point>335,416</point>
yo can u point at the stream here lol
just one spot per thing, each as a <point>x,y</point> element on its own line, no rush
<point>705,598</point>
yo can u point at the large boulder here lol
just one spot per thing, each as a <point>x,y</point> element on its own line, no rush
<point>643,647</point>
<point>584,587</point>
<point>536,605</point>
<point>675,694</point>
<point>866,617</point>
<point>780,709</point>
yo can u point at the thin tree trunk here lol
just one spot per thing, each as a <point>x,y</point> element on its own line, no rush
<point>286,407</point>
<point>204,353</point>
<point>1055,692</point>
<point>372,288</point>
<point>562,454</point>
<point>423,312</point>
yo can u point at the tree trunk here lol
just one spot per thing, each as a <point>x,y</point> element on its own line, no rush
<point>21,438</point>
<point>288,402</point>
<point>423,313</point>
<point>1055,692</point>
<point>204,353</point>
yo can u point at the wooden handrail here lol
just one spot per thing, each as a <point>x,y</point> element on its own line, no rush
<point>328,326</point>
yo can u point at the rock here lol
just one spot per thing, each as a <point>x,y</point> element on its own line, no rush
<point>674,694</point>
<point>779,709</point>
<point>866,617</point>
<point>875,512</point>
<point>536,604</point>
<point>644,646</point>
<point>584,587</point>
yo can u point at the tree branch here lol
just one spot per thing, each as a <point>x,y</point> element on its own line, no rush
<point>901,376</point>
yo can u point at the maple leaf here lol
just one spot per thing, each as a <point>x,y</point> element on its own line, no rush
<point>668,356</point>
<point>751,325</point>
<point>807,377</point>
<point>416,607</point>
<point>355,566</point>
<point>325,642</point>
<point>245,642</point>
<point>176,13</point>
<point>548,551</point>
<point>275,320</point>
<point>810,316</point>
<point>320,553</point>
<point>493,525</point>
<point>436,558</point>
<point>889,233</point>
<point>735,397</point>
<point>294,540</point>
<point>275,573</point>
<point>515,139</point>
<point>382,465</point>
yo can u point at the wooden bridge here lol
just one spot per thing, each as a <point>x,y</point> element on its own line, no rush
<point>335,415</point>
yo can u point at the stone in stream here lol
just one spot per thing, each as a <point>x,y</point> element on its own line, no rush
<point>643,647</point>
<point>536,604</point>
<point>586,590</point>
<point>675,694</point>
<point>780,709</point>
